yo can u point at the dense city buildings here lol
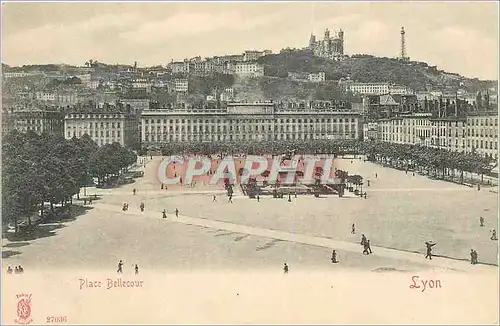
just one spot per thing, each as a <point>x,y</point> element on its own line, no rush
<point>239,64</point>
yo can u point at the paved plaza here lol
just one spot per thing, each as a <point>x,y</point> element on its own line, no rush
<point>401,213</point>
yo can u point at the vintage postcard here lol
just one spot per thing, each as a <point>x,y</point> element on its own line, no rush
<point>249,163</point>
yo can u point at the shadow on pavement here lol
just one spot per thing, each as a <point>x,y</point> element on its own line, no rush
<point>16,244</point>
<point>9,253</point>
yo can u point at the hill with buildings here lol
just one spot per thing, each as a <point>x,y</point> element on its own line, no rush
<point>367,68</point>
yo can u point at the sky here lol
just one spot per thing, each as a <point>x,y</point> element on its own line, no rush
<point>459,37</point>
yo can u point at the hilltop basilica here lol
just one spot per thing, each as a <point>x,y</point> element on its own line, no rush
<point>329,47</point>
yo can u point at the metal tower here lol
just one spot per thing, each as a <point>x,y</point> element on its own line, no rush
<point>403,46</point>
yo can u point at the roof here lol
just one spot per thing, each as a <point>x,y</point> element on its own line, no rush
<point>387,100</point>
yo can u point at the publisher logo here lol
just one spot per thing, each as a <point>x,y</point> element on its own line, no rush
<point>23,309</point>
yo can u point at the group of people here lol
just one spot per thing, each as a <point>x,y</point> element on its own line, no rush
<point>164,213</point>
<point>17,270</point>
<point>493,232</point>
<point>120,268</point>
<point>125,206</point>
<point>473,257</point>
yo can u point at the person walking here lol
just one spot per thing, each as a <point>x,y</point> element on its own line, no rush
<point>363,239</point>
<point>429,246</point>
<point>164,214</point>
<point>334,257</point>
<point>120,267</point>
<point>366,248</point>
<point>285,269</point>
<point>473,257</point>
<point>493,235</point>
<point>214,199</point>
<point>176,212</point>
<point>368,245</point>
<point>9,270</point>
<point>481,221</point>
<point>136,269</point>
<point>142,207</point>
<point>134,191</point>
<point>258,198</point>
<point>353,229</point>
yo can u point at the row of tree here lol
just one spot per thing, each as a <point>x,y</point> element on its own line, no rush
<point>437,162</point>
<point>39,169</point>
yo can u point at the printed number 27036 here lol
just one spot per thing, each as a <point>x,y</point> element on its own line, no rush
<point>57,319</point>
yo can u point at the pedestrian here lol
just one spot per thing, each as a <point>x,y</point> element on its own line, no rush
<point>289,198</point>
<point>285,268</point>
<point>20,269</point>
<point>258,198</point>
<point>295,194</point>
<point>142,207</point>
<point>334,257</point>
<point>376,175</point>
<point>90,200</point>
<point>16,270</point>
<point>478,187</point>
<point>134,191</point>
<point>368,182</point>
<point>176,212</point>
<point>473,258</point>
<point>9,270</point>
<point>120,267</point>
<point>429,246</point>
<point>214,199</point>
<point>353,229</point>
<point>363,239</point>
<point>368,245</point>
<point>413,173</point>
<point>365,248</point>
<point>124,208</point>
<point>493,235</point>
<point>164,214</point>
<point>481,221</point>
<point>136,269</point>
<point>162,186</point>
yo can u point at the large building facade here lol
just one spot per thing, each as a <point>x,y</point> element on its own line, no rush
<point>33,119</point>
<point>477,132</point>
<point>104,126</point>
<point>482,133</point>
<point>247,122</point>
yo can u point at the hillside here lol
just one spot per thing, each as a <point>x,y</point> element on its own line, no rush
<point>367,68</point>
